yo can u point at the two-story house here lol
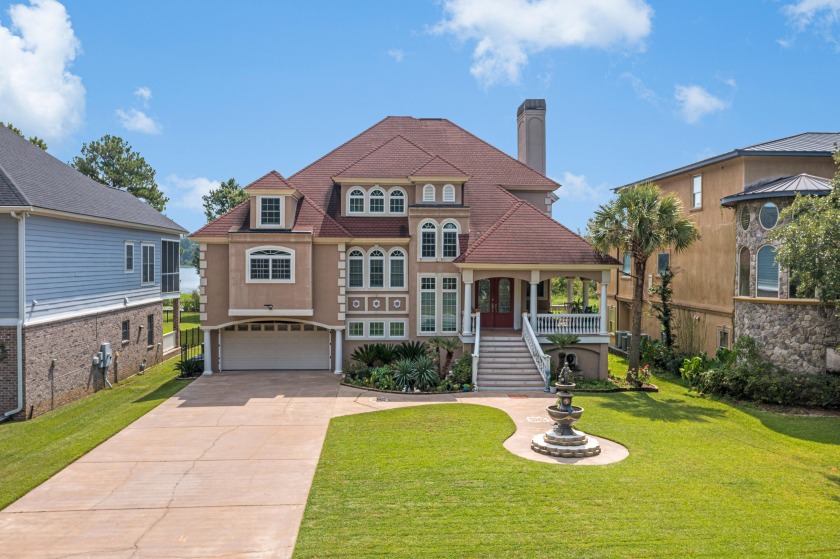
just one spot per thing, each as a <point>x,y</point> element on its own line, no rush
<point>413,228</point>
<point>729,284</point>
<point>81,264</point>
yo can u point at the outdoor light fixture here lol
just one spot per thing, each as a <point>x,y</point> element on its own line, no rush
<point>269,306</point>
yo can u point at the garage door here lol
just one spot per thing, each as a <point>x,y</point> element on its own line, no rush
<point>279,347</point>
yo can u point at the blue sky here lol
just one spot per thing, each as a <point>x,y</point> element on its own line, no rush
<point>206,91</point>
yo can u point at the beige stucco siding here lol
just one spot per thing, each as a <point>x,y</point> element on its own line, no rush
<point>217,289</point>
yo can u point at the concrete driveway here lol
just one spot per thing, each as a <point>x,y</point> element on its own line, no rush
<point>223,468</point>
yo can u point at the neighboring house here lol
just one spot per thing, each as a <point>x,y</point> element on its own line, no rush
<point>81,264</point>
<point>413,228</point>
<point>729,283</point>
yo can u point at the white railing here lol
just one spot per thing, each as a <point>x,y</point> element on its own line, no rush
<point>567,323</point>
<point>476,321</point>
<point>541,360</point>
<point>169,341</point>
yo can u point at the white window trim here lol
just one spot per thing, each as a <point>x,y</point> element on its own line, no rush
<point>127,244</point>
<point>426,189</point>
<point>693,207</point>
<point>364,268</point>
<point>386,201</point>
<point>447,188</point>
<point>269,247</point>
<point>738,260</point>
<point>404,259</point>
<point>438,240</point>
<point>439,304</point>
<point>282,223</point>
<point>778,274</point>
<point>404,198</point>
<point>154,264</point>
<point>364,201</point>
<point>457,239</point>
<point>765,204</point>
<point>386,329</point>
<point>385,267</point>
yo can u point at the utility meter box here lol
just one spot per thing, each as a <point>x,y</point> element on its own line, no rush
<point>105,356</point>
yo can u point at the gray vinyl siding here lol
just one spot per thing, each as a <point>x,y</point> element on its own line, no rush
<point>8,267</point>
<point>74,267</point>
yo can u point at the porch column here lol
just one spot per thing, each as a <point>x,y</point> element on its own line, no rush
<point>570,290</point>
<point>535,281</point>
<point>603,308</point>
<point>208,367</point>
<point>339,351</point>
<point>466,321</point>
<point>585,293</point>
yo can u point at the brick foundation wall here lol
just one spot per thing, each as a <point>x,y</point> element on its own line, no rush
<point>8,368</point>
<point>58,356</point>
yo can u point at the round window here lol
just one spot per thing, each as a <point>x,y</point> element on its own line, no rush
<point>745,218</point>
<point>769,215</point>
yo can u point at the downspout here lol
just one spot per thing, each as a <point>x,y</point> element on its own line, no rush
<point>21,219</point>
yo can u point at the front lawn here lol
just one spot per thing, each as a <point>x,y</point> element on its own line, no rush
<point>704,479</point>
<point>189,320</point>
<point>32,451</point>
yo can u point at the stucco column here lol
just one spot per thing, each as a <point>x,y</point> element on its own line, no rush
<point>603,309</point>
<point>208,367</point>
<point>585,293</point>
<point>570,290</point>
<point>535,281</point>
<point>339,351</point>
<point>466,321</point>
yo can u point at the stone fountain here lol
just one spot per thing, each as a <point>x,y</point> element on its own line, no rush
<point>562,441</point>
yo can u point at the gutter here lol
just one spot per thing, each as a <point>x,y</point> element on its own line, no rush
<point>21,219</point>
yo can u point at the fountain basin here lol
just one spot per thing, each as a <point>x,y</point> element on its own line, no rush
<point>565,417</point>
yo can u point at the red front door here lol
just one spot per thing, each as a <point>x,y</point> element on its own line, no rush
<point>494,298</point>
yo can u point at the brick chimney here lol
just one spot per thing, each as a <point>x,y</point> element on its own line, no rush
<point>530,133</point>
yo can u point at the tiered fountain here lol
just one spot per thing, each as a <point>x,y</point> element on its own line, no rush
<point>562,441</point>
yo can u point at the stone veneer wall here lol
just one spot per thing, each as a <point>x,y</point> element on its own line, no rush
<point>794,336</point>
<point>72,343</point>
<point>8,369</point>
<point>755,237</point>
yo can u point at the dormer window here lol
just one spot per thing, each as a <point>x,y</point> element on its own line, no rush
<point>449,194</point>
<point>429,193</point>
<point>271,211</point>
<point>376,204</point>
<point>356,203</point>
<point>397,201</point>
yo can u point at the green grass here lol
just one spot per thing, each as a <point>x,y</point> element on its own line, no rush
<point>32,451</point>
<point>703,479</point>
<point>189,320</point>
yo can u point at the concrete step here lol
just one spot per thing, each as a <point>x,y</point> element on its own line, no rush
<point>518,355</point>
<point>519,366</point>
<point>505,359</point>
<point>516,385</point>
<point>504,377</point>
<point>484,342</point>
<point>510,389</point>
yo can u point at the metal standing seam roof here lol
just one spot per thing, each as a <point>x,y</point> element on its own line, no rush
<point>807,144</point>
<point>803,183</point>
<point>32,177</point>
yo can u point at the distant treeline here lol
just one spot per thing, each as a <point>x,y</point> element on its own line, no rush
<point>188,251</point>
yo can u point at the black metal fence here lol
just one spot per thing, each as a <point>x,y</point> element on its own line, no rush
<point>192,344</point>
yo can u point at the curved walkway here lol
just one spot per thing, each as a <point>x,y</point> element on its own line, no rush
<point>223,468</point>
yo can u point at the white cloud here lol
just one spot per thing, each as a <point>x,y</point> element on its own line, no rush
<point>138,121</point>
<point>187,192</point>
<point>696,103</point>
<point>144,93</point>
<point>397,54</point>
<point>819,15</point>
<point>508,31</point>
<point>37,91</point>
<point>642,91</point>
<point>577,189</point>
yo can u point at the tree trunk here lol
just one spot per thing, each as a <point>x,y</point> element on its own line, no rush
<point>639,265</point>
<point>446,364</point>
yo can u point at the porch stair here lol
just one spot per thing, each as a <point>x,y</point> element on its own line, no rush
<point>506,365</point>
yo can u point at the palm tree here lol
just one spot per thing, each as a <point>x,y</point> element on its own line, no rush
<point>449,345</point>
<point>641,220</point>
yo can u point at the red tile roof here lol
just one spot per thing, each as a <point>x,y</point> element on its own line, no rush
<point>512,240</point>
<point>272,179</point>
<point>502,226</point>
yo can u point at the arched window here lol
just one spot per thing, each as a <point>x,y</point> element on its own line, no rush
<point>745,218</point>
<point>768,215</point>
<point>428,240</point>
<point>356,272</point>
<point>376,265</point>
<point>767,275</point>
<point>744,272</point>
<point>397,202</point>
<point>270,264</point>
<point>396,268</point>
<point>449,193</point>
<point>376,201</point>
<point>429,193</point>
<point>450,240</point>
<point>356,204</point>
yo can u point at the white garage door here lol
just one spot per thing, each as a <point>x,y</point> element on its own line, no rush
<point>275,347</point>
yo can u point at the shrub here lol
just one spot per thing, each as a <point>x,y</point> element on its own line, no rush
<point>462,369</point>
<point>190,368</point>
<point>692,369</point>
<point>662,360</point>
<point>411,350</point>
<point>639,376</point>
<point>403,373</point>
<point>367,354</point>
<point>425,373</point>
<point>387,353</point>
<point>382,378</point>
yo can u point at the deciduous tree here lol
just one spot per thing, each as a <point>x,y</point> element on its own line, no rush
<point>222,199</point>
